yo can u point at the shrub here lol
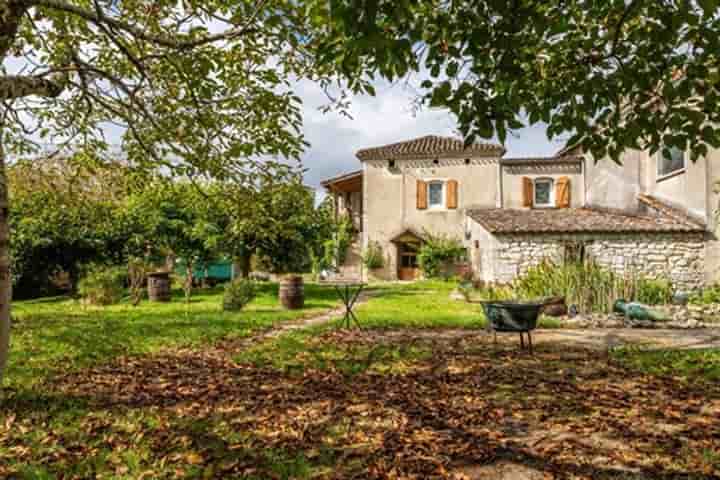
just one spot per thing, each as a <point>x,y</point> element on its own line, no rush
<point>496,291</point>
<point>103,285</point>
<point>654,292</point>
<point>335,249</point>
<point>708,295</point>
<point>373,256</point>
<point>238,293</point>
<point>437,253</point>
<point>589,286</point>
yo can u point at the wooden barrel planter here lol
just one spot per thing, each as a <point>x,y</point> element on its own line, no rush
<point>292,292</point>
<point>555,307</point>
<point>159,286</point>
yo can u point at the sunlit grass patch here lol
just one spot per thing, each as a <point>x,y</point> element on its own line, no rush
<point>61,334</point>
<point>425,304</point>
<point>699,364</point>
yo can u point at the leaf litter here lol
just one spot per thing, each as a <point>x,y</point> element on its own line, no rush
<point>466,410</point>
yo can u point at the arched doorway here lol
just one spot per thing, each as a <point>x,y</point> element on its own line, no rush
<point>408,244</point>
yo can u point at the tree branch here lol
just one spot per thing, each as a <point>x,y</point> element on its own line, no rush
<point>18,86</point>
<point>179,42</point>
<point>10,15</point>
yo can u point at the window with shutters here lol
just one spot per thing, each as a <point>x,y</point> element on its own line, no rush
<point>436,194</point>
<point>670,162</point>
<point>544,193</point>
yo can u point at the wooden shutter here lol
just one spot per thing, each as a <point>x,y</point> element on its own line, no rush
<point>422,195</point>
<point>451,199</point>
<point>528,191</point>
<point>562,192</point>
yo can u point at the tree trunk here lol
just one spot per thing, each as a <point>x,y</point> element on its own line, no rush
<point>188,280</point>
<point>244,263</point>
<point>5,280</point>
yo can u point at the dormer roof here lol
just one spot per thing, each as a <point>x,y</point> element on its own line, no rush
<point>430,146</point>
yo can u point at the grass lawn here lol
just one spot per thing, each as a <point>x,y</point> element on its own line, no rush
<point>58,334</point>
<point>425,304</point>
<point>699,364</point>
<point>102,393</point>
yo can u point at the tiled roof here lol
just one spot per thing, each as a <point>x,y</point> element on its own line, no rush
<point>575,220</point>
<point>567,159</point>
<point>661,208</point>
<point>430,146</point>
<point>341,178</point>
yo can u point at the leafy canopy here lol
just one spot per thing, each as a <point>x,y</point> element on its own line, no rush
<point>197,87</point>
<point>617,74</point>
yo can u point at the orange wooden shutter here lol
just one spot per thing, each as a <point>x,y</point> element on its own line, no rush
<point>527,192</point>
<point>562,192</point>
<point>452,194</point>
<point>422,200</point>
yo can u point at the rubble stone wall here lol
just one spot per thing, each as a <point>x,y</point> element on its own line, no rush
<point>676,256</point>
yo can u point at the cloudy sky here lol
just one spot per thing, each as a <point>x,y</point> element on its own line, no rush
<point>386,118</point>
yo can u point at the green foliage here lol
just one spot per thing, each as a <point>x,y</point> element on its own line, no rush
<point>238,293</point>
<point>103,285</point>
<point>654,291</point>
<point>591,68</point>
<point>437,254</point>
<point>496,291</point>
<point>707,295</point>
<point>373,256</point>
<point>589,286</point>
<point>171,82</point>
<point>64,215</point>
<point>336,247</point>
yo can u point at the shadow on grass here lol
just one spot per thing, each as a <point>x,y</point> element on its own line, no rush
<point>466,404</point>
<point>57,335</point>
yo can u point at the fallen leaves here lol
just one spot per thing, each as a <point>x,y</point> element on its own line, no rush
<point>200,414</point>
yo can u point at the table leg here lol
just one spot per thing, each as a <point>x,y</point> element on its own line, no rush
<point>352,305</point>
<point>340,293</point>
<point>530,342</point>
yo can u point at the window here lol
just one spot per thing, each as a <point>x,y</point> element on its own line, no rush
<point>574,252</point>
<point>670,161</point>
<point>436,194</point>
<point>544,193</point>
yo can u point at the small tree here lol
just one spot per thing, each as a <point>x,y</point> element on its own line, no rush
<point>437,253</point>
<point>172,221</point>
<point>373,256</point>
<point>283,244</point>
<point>335,246</point>
<point>65,216</point>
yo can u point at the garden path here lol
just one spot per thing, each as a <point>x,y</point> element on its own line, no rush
<point>313,321</point>
<point>599,339</point>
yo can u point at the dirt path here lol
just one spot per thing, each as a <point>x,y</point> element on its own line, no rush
<point>598,339</point>
<point>295,325</point>
<point>604,338</point>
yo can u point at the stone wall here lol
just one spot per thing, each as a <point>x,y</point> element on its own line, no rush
<point>677,256</point>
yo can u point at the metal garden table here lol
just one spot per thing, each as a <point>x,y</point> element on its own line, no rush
<point>348,291</point>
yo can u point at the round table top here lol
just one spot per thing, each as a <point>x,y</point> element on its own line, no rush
<point>343,282</point>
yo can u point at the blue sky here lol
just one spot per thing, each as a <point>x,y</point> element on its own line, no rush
<point>385,118</point>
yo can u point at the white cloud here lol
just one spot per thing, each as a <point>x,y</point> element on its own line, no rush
<point>385,118</point>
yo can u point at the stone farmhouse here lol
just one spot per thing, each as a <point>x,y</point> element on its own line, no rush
<point>654,215</point>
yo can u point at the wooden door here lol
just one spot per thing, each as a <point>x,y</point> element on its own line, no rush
<point>407,262</point>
